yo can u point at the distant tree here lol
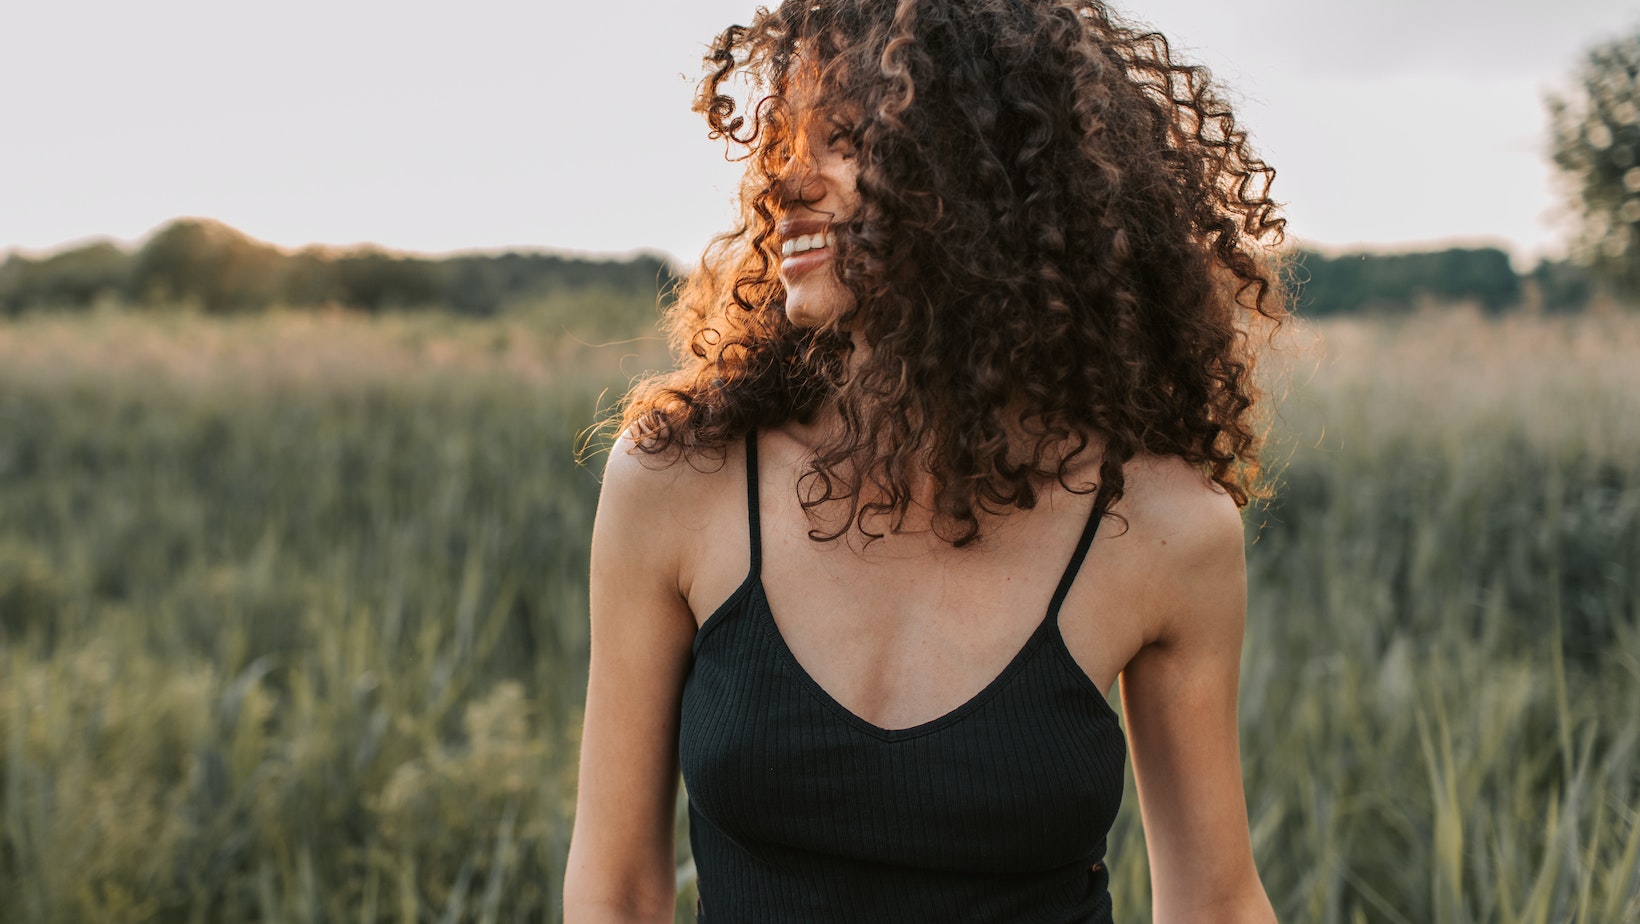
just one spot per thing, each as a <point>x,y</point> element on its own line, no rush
<point>307,278</point>
<point>480,284</point>
<point>1560,287</point>
<point>68,279</point>
<point>209,263</point>
<point>376,280</point>
<point>1595,131</point>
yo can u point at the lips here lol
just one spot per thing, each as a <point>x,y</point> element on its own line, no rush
<point>804,245</point>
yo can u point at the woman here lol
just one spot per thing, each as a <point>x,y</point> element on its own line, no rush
<point>959,438</point>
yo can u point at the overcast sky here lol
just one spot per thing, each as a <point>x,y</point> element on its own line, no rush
<point>566,123</point>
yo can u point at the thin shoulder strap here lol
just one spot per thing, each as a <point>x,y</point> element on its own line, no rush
<point>1101,501</point>
<point>753,515</point>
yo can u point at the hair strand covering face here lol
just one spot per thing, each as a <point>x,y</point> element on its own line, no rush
<point>1063,236</point>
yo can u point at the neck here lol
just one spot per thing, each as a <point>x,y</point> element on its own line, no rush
<point>919,477</point>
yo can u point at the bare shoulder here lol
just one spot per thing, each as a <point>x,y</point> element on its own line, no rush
<point>654,502</point>
<point>637,471</point>
<point>668,478</point>
<point>1188,532</point>
<point>1173,503</point>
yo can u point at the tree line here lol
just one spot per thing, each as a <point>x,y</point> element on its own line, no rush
<point>1370,282</point>
<point>216,269</point>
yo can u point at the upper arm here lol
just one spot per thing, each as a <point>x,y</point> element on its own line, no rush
<point>1179,695</point>
<point>642,633</point>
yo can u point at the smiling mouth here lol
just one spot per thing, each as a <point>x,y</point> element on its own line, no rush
<point>803,243</point>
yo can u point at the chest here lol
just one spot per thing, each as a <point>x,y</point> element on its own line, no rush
<point>1024,775</point>
<point>906,630</point>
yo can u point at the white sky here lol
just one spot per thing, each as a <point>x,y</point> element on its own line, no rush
<point>566,123</point>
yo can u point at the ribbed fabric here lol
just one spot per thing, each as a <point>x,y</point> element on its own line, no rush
<point>801,811</point>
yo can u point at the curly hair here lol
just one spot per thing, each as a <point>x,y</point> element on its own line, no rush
<point>1061,232</point>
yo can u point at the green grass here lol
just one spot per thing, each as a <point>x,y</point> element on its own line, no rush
<point>292,619</point>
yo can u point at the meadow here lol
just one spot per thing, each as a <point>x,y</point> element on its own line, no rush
<point>293,617</point>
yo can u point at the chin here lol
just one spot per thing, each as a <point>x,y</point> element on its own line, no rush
<point>804,316</point>
<point>808,308</point>
<point>805,313</point>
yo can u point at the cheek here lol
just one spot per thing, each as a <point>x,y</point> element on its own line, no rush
<point>848,186</point>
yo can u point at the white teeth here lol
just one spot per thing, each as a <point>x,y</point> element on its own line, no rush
<point>806,242</point>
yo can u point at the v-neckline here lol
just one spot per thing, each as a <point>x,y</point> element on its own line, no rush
<point>765,613</point>
<point>753,585</point>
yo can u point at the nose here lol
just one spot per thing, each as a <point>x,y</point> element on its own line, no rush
<point>798,181</point>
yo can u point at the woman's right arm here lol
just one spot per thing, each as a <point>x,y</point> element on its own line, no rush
<point>621,851</point>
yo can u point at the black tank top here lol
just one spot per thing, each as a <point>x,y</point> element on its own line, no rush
<point>801,811</point>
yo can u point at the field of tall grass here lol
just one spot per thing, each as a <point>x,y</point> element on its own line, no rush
<point>292,619</point>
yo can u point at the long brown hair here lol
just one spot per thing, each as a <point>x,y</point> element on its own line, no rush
<point>1062,232</point>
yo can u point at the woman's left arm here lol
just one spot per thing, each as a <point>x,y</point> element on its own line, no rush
<point>1179,695</point>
